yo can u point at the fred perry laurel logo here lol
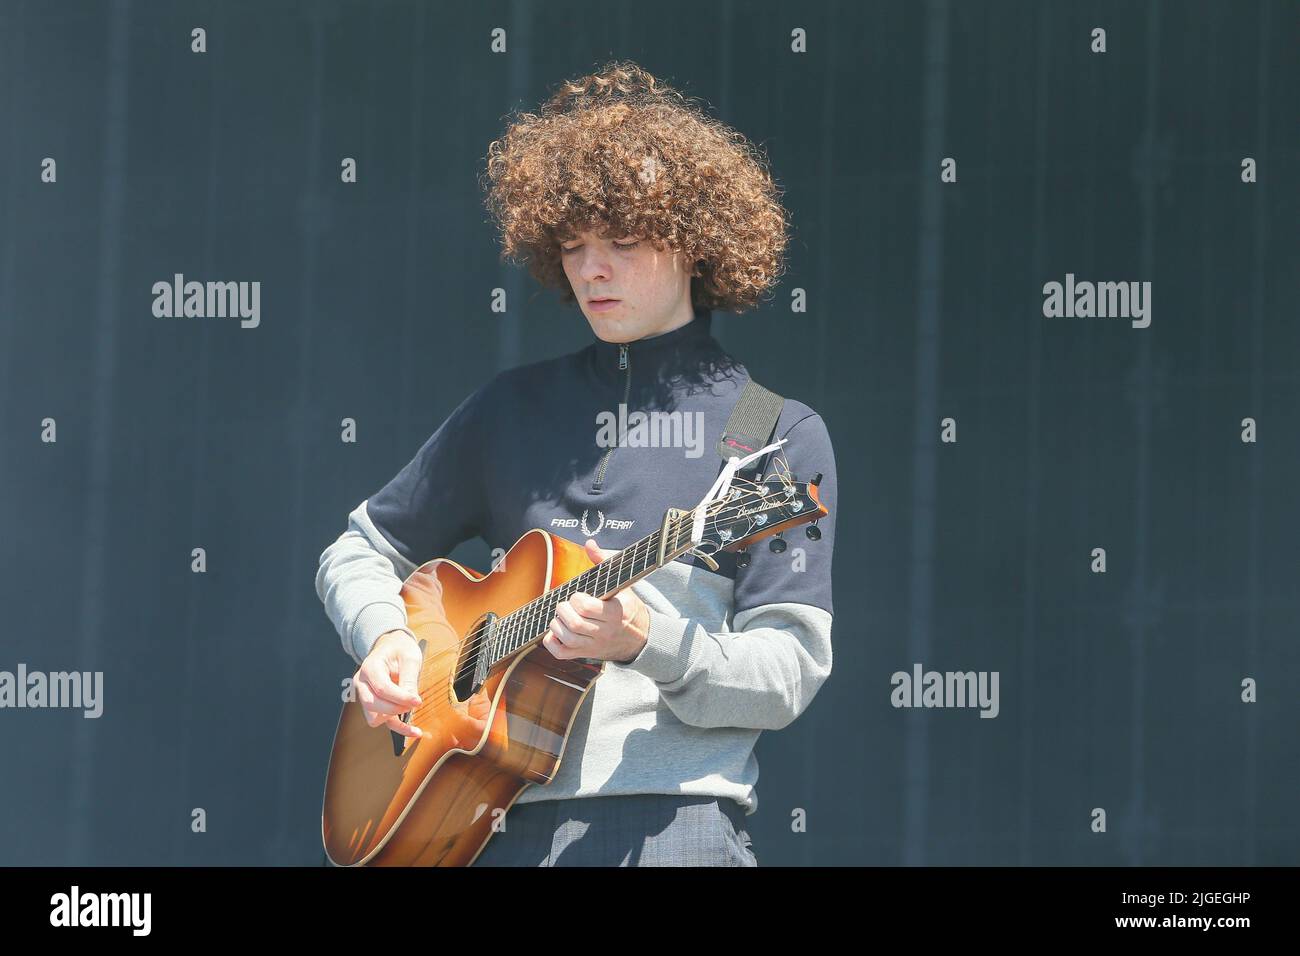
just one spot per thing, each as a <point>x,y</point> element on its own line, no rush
<point>600,524</point>
<point>615,524</point>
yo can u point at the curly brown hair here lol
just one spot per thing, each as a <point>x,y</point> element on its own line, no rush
<point>619,153</point>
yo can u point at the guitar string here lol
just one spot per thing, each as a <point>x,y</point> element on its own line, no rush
<point>637,551</point>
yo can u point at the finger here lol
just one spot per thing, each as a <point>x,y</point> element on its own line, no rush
<point>599,553</point>
<point>574,622</point>
<point>378,712</point>
<point>564,644</point>
<point>385,708</point>
<point>409,680</point>
<point>558,634</point>
<point>578,645</point>
<point>403,728</point>
<point>373,717</point>
<point>376,703</point>
<point>593,608</point>
<point>385,688</point>
<point>557,649</point>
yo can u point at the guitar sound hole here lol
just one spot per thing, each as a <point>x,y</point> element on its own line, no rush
<point>467,684</point>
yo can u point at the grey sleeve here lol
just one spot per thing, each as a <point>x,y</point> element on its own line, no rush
<point>433,504</point>
<point>765,671</point>
<point>762,675</point>
<point>359,582</point>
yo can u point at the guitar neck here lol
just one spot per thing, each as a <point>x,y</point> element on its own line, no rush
<point>524,627</point>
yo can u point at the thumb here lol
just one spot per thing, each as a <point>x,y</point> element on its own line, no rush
<point>596,552</point>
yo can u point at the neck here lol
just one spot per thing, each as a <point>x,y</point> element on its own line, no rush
<point>682,314</point>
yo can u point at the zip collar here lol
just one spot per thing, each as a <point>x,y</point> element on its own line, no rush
<point>655,356</point>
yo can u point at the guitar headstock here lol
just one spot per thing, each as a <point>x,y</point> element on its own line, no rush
<point>753,510</point>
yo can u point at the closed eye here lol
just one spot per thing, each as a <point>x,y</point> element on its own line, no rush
<point>617,245</point>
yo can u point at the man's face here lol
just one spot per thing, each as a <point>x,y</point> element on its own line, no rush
<point>652,288</point>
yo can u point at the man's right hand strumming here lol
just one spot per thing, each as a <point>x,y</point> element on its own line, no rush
<point>387,681</point>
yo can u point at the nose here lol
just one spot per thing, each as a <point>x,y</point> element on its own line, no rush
<point>595,263</point>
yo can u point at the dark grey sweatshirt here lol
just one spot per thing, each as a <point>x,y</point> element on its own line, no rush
<point>730,653</point>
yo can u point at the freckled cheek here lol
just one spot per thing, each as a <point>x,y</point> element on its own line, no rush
<point>637,278</point>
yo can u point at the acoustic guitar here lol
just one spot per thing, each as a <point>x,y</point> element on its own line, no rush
<point>496,707</point>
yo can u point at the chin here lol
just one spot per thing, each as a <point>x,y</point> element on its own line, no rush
<point>608,329</point>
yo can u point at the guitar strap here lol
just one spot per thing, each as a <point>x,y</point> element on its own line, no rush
<point>751,426</point>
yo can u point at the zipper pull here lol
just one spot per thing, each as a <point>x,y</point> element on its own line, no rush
<point>622,356</point>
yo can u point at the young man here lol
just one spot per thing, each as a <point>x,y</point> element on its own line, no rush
<point>649,215</point>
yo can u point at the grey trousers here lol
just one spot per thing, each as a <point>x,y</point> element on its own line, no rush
<point>645,829</point>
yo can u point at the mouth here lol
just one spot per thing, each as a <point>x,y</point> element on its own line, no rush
<point>602,298</point>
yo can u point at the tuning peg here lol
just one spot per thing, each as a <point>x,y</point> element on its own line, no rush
<point>813,532</point>
<point>778,543</point>
<point>742,558</point>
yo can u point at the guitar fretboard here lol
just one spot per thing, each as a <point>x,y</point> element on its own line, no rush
<point>527,624</point>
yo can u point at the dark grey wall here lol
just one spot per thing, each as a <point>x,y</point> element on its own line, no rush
<point>1119,690</point>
